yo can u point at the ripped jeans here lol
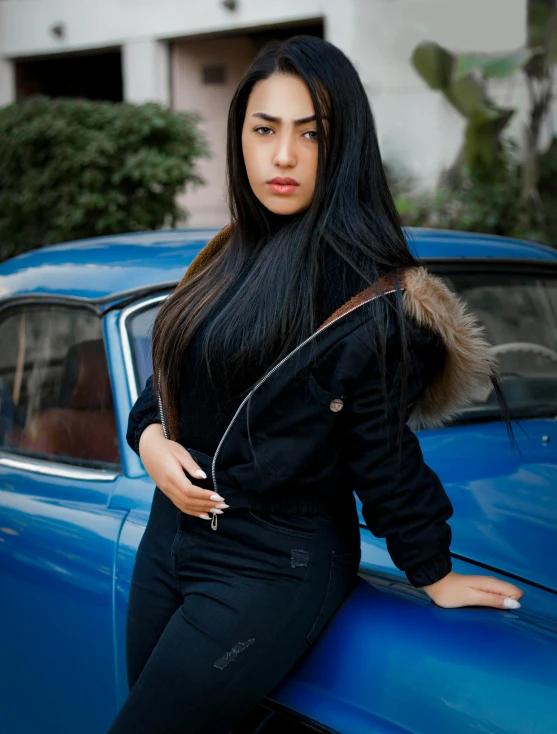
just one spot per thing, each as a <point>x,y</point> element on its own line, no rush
<point>216,619</point>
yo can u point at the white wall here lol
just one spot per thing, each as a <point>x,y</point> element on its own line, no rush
<point>145,71</point>
<point>417,127</point>
<point>7,82</point>
<point>25,24</point>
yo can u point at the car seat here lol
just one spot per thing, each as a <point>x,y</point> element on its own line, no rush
<point>83,425</point>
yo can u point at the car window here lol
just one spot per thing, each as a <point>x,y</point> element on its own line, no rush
<point>519,312</point>
<point>55,393</point>
<point>140,325</point>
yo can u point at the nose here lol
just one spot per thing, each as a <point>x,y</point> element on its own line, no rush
<point>284,155</point>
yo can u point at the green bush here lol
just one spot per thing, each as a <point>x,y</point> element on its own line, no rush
<point>491,204</point>
<point>72,168</point>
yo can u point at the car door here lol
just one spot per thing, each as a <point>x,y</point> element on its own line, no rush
<point>59,464</point>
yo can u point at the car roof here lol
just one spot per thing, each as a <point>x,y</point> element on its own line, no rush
<point>104,268</point>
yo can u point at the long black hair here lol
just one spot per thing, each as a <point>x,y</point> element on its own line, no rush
<point>279,258</point>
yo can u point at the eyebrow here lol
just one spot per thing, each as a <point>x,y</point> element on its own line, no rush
<point>270,118</point>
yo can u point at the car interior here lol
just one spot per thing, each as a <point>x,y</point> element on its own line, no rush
<point>74,418</point>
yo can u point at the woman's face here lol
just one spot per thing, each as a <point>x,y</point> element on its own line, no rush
<point>279,142</point>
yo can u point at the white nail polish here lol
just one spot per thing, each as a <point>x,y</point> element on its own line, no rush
<point>201,473</point>
<point>204,516</point>
<point>217,512</point>
<point>222,506</point>
<point>511,604</point>
<point>216,497</point>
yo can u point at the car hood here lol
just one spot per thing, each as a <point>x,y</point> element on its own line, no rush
<point>393,662</point>
<point>505,503</point>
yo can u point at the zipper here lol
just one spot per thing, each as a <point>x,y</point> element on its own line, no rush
<point>261,381</point>
<point>163,421</point>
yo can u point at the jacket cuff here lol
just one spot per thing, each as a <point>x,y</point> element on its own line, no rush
<point>151,417</point>
<point>433,570</point>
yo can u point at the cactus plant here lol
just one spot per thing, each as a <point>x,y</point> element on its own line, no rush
<point>461,79</point>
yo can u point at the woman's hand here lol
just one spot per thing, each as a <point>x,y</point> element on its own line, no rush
<point>459,590</point>
<point>165,462</point>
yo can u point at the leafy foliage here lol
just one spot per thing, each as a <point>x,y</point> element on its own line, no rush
<point>490,204</point>
<point>491,186</point>
<point>462,80</point>
<point>74,168</point>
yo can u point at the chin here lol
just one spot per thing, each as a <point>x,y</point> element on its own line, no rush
<point>284,207</point>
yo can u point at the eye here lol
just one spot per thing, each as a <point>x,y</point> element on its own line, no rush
<point>263,130</point>
<point>313,133</point>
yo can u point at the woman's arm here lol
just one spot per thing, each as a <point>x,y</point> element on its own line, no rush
<point>165,460</point>
<point>144,412</point>
<point>405,501</point>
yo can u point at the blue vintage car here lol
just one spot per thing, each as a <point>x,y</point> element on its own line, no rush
<point>74,501</point>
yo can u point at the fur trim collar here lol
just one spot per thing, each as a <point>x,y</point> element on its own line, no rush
<point>469,364</point>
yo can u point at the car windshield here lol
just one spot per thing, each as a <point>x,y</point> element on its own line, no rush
<point>519,312</point>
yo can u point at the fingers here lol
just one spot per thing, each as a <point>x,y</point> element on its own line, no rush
<point>200,506</point>
<point>493,585</point>
<point>191,499</point>
<point>177,477</point>
<point>457,590</point>
<point>485,599</point>
<point>188,462</point>
<point>197,507</point>
<point>165,462</point>
<point>489,591</point>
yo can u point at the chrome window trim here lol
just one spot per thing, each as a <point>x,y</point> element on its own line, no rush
<point>56,469</point>
<point>126,344</point>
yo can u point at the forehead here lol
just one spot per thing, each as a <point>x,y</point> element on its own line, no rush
<point>281,95</point>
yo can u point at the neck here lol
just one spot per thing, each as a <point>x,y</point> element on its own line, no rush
<point>277,222</point>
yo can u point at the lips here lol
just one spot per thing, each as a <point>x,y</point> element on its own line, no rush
<point>283,181</point>
<point>280,185</point>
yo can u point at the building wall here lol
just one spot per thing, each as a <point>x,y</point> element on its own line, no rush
<point>418,130</point>
<point>207,204</point>
<point>25,24</point>
<point>7,82</point>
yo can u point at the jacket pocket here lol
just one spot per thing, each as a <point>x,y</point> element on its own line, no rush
<point>324,396</point>
<point>295,526</point>
<point>343,576</point>
<point>206,463</point>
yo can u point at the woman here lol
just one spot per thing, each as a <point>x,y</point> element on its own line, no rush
<point>293,360</point>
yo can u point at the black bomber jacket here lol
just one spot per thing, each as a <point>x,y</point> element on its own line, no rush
<point>319,430</point>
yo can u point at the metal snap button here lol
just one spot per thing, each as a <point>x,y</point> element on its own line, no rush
<point>336,405</point>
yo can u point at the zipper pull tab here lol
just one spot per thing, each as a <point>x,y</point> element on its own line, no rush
<point>214,521</point>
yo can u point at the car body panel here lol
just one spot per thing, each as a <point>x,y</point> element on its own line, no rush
<point>435,244</point>
<point>132,532</point>
<point>56,576</point>
<point>401,666</point>
<point>102,267</point>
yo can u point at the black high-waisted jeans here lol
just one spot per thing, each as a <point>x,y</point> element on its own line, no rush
<point>216,619</point>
